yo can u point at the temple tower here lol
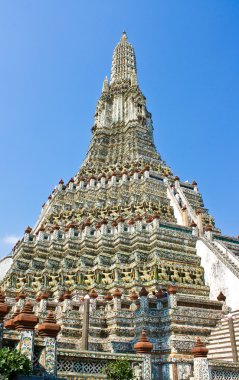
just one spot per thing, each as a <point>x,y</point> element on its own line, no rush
<point>129,237</point>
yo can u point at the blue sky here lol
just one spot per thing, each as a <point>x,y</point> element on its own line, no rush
<point>54,56</point>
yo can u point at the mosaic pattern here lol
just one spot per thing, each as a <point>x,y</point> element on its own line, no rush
<point>201,369</point>
<point>50,355</point>
<point>147,368</point>
<point>27,343</point>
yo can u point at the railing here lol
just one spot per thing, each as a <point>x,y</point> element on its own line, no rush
<point>224,371</point>
<point>173,199</point>
<point>90,365</point>
<point>190,210</point>
<point>231,256</point>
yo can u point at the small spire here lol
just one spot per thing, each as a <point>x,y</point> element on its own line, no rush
<point>143,346</point>
<point>117,293</point>
<point>199,350</point>
<point>105,87</point>
<point>124,37</point>
<point>27,308</point>
<point>50,318</point>
<point>49,327</point>
<point>143,292</point>
<point>221,297</point>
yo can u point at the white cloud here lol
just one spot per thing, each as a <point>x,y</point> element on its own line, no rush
<point>10,239</point>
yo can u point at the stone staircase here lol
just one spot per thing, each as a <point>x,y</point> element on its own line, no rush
<point>224,339</point>
<point>232,246</point>
<point>185,201</point>
<point>229,254</point>
<point>174,203</point>
<point>222,255</point>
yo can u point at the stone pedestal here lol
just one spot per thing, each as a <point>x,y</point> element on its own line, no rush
<point>50,356</point>
<point>49,330</point>
<point>25,322</point>
<point>147,367</point>
<point>201,369</point>
<point>200,362</point>
<point>144,346</point>
<point>26,343</point>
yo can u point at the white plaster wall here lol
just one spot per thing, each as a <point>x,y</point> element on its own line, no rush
<point>218,277</point>
<point>5,264</point>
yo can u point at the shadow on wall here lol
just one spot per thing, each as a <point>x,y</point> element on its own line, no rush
<point>5,265</point>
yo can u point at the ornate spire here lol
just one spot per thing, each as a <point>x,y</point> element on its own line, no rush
<point>199,350</point>
<point>49,327</point>
<point>105,87</point>
<point>143,346</point>
<point>123,63</point>
<point>26,320</point>
<point>124,37</point>
<point>123,128</point>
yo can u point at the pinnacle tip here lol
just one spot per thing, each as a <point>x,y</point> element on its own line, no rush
<point>124,36</point>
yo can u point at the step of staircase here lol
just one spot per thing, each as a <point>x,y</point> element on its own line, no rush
<point>220,345</point>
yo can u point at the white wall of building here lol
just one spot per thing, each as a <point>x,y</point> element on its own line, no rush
<point>218,277</point>
<point>5,264</point>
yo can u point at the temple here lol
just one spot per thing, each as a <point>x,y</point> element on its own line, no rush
<point>124,260</point>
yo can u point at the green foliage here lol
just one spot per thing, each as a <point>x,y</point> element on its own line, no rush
<point>120,369</point>
<point>13,363</point>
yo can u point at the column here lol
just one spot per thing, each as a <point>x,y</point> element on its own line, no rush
<point>147,367</point>
<point>199,221</point>
<point>172,298</point>
<point>85,326</point>
<point>26,322</point>
<point>200,361</point>
<point>144,302</point>
<point>144,346</point>
<point>185,216</point>
<point>117,299</point>
<point>93,297</point>
<point>195,231</point>
<point>209,232</point>
<point>49,330</point>
<point>26,344</point>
